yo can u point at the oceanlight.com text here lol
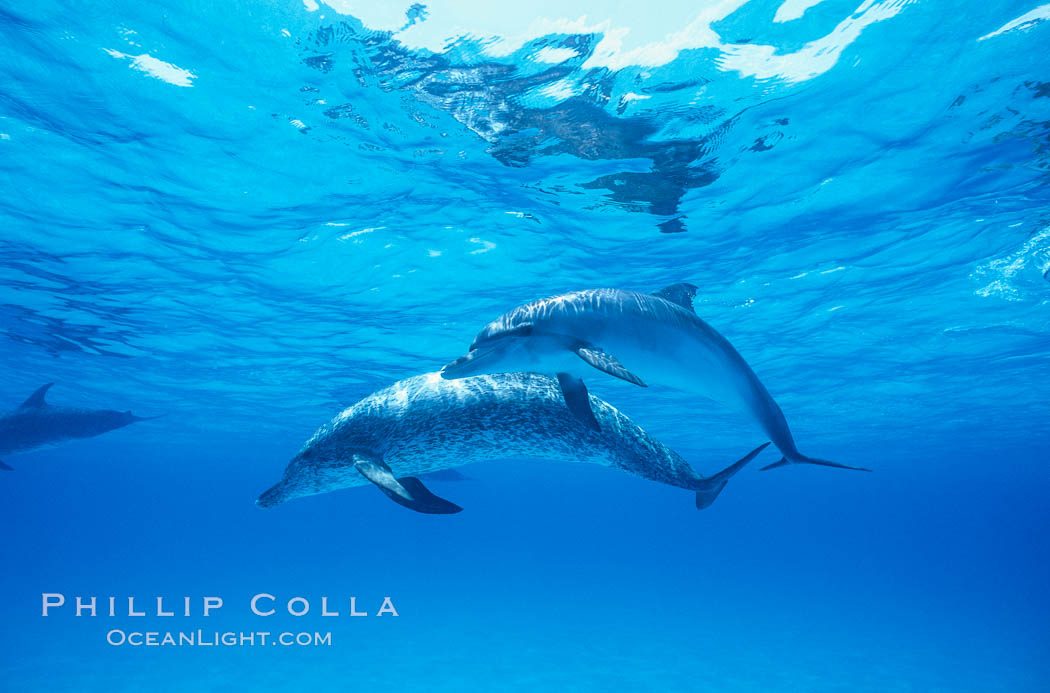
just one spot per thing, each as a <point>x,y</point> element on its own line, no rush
<point>200,638</point>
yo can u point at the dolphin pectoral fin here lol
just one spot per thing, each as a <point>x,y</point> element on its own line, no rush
<point>423,501</point>
<point>713,485</point>
<point>37,398</point>
<point>407,491</point>
<point>577,399</point>
<point>5,467</point>
<point>812,460</point>
<point>608,363</point>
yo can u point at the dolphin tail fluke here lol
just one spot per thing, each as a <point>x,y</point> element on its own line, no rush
<point>713,485</point>
<point>782,462</point>
<point>802,459</point>
<point>5,467</point>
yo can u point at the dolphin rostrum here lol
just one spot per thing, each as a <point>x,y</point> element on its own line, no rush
<point>640,338</point>
<point>37,424</point>
<point>426,424</point>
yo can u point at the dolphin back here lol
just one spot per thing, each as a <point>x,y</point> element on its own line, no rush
<point>591,310</point>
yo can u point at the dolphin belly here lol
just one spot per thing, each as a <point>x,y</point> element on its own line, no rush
<point>679,359</point>
<point>701,362</point>
<point>27,431</point>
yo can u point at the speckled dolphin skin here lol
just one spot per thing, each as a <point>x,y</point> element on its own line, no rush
<point>426,424</point>
<point>37,424</point>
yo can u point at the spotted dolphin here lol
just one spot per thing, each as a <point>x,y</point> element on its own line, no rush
<point>426,424</point>
<point>37,424</point>
<point>640,338</point>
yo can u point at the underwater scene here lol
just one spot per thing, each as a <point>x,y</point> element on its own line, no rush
<point>576,346</point>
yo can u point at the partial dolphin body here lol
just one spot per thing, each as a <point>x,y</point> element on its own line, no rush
<point>640,338</point>
<point>37,424</point>
<point>427,424</point>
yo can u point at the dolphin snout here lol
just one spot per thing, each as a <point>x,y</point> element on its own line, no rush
<point>481,361</point>
<point>272,496</point>
<point>458,368</point>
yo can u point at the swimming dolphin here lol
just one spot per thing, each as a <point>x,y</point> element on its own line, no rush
<point>37,424</point>
<point>426,424</point>
<point>658,338</point>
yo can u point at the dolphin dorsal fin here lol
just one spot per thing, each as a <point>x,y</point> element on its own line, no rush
<point>37,398</point>
<point>679,294</point>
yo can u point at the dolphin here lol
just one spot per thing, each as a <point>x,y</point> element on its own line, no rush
<point>640,338</point>
<point>427,424</point>
<point>37,424</point>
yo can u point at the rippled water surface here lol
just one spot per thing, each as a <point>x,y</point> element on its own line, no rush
<point>249,215</point>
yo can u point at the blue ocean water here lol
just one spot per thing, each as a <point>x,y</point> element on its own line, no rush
<point>247,216</point>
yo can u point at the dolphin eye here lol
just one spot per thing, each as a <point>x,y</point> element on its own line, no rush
<point>522,331</point>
